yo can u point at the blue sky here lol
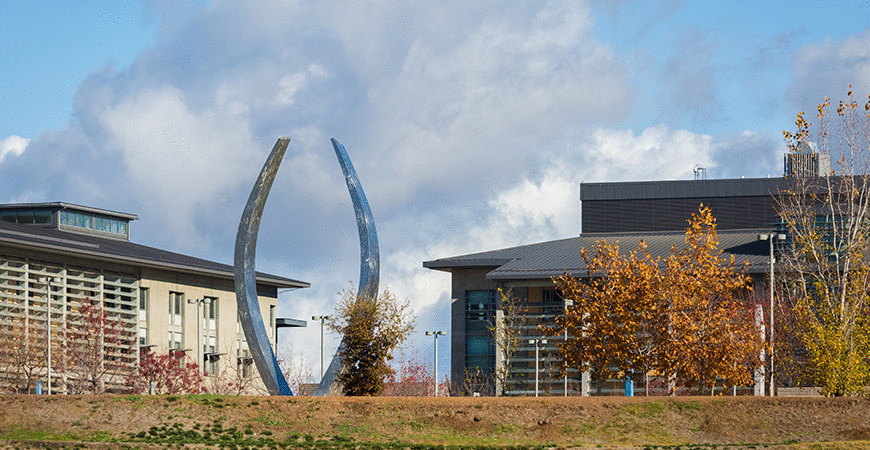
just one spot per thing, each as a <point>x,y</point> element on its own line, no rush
<point>471,125</point>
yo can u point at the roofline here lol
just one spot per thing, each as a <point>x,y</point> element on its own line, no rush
<point>446,264</point>
<point>581,273</point>
<point>149,263</point>
<point>640,190</point>
<point>468,261</point>
<point>62,205</point>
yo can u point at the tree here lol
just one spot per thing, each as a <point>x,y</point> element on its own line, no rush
<point>170,373</point>
<point>615,321</point>
<point>682,317</point>
<point>825,261</point>
<point>411,379</point>
<point>234,375</point>
<point>372,328</point>
<point>507,333</point>
<point>710,332</point>
<point>97,349</point>
<point>22,355</point>
<point>297,373</point>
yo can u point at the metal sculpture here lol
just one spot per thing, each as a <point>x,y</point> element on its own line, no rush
<point>245,276</point>
<point>369,267</point>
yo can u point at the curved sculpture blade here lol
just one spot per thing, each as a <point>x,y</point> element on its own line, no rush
<point>245,276</point>
<point>369,265</point>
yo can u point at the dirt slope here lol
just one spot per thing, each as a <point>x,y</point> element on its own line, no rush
<point>557,421</point>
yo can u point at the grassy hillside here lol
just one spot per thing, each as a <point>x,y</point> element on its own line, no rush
<point>205,421</point>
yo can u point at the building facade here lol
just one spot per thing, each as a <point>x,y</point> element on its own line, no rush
<point>55,258</point>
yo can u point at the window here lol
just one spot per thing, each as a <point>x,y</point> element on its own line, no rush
<point>176,308</point>
<point>27,217</point>
<point>210,313</point>
<point>143,304</point>
<point>479,315</point>
<point>211,364</point>
<point>479,354</point>
<point>211,305</point>
<point>174,340</point>
<point>93,222</point>
<point>244,363</point>
<point>479,310</point>
<point>143,316</point>
<point>551,296</point>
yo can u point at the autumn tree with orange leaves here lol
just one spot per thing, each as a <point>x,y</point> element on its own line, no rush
<point>682,317</point>
<point>710,331</point>
<point>615,320</point>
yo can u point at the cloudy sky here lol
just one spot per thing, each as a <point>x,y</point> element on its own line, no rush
<point>471,124</point>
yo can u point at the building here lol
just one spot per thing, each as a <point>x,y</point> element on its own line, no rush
<point>624,213</point>
<point>58,257</point>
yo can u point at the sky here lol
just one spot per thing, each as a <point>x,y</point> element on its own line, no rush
<point>471,124</point>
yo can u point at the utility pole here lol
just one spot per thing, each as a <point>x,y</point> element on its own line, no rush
<point>436,334</point>
<point>322,320</point>
<point>770,238</point>
<point>197,354</point>
<point>537,343</point>
<point>48,282</point>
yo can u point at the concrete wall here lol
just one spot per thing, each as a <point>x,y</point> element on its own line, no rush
<point>228,333</point>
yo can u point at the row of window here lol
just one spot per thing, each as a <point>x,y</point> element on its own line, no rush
<point>93,222</point>
<point>27,217</point>
<point>208,329</point>
<point>480,308</point>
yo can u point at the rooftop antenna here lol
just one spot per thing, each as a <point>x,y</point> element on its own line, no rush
<point>700,173</point>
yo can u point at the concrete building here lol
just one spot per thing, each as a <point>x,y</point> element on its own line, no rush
<point>624,213</point>
<point>57,257</point>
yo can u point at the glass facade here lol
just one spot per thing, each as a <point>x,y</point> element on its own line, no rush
<point>479,318</point>
<point>93,222</point>
<point>28,217</point>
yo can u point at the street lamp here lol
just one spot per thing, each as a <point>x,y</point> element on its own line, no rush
<point>322,320</point>
<point>199,359</point>
<point>436,334</point>
<point>48,282</point>
<point>770,237</point>
<point>568,302</point>
<point>537,343</point>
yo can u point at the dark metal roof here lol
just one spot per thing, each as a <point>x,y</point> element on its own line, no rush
<point>106,249</point>
<point>739,187</point>
<point>552,258</point>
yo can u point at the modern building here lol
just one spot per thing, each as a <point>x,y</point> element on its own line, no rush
<point>624,213</point>
<point>57,257</point>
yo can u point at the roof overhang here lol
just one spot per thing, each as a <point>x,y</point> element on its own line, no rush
<point>55,246</point>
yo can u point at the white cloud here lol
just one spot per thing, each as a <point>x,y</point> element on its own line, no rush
<point>658,153</point>
<point>827,67</point>
<point>12,146</point>
<point>291,84</point>
<point>180,157</point>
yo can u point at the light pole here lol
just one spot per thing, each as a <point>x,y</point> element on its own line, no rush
<point>199,358</point>
<point>568,302</point>
<point>770,237</point>
<point>436,334</point>
<point>537,343</point>
<point>48,282</point>
<point>322,320</point>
